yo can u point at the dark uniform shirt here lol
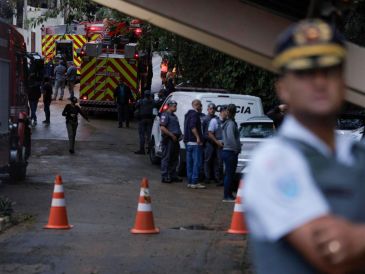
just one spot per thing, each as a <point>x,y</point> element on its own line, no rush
<point>171,122</point>
<point>71,113</point>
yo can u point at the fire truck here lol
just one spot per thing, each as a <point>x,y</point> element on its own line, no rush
<point>15,131</point>
<point>105,54</point>
<point>102,71</point>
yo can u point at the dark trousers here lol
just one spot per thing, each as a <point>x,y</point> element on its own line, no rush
<point>170,158</point>
<point>212,162</point>
<point>71,131</point>
<point>123,115</point>
<point>71,86</point>
<point>144,131</point>
<point>230,159</point>
<point>47,111</point>
<point>33,104</point>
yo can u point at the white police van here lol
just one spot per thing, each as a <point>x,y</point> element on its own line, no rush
<point>247,107</point>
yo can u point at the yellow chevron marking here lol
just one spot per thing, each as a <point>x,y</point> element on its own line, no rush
<point>51,50</point>
<point>126,75</point>
<point>84,69</point>
<point>95,37</point>
<point>83,39</point>
<point>79,41</point>
<point>52,40</point>
<point>131,69</point>
<point>88,65</point>
<point>112,83</point>
<point>100,87</point>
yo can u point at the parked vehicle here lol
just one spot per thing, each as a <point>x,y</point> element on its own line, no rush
<point>247,107</point>
<point>253,132</point>
<point>15,132</point>
<point>351,124</point>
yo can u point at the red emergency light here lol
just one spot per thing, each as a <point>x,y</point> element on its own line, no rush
<point>138,32</point>
<point>136,56</point>
<point>95,28</point>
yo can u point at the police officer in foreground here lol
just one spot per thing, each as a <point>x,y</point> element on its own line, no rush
<point>305,190</point>
<point>171,135</point>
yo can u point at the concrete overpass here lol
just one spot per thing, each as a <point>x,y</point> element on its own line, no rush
<point>237,28</point>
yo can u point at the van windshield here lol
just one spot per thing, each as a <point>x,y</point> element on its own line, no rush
<point>256,130</point>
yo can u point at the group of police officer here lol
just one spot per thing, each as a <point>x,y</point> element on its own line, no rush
<point>203,138</point>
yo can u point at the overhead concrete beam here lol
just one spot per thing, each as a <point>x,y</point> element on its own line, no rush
<point>233,27</point>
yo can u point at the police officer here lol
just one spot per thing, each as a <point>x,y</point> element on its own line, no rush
<point>304,192</point>
<point>215,135</point>
<point>210,153</point>
<point>171,135</point>
<point>71,112</point>
<point>144,109</point>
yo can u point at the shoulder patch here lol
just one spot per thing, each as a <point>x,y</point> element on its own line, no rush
<point>288,187</point>
<point>163,118</point>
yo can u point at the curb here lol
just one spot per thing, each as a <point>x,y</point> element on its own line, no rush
<point>4,223</point>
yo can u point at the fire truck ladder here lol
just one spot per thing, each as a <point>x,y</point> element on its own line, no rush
<point>102,70</point>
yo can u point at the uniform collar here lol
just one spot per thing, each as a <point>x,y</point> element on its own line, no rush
<point>292,128</point>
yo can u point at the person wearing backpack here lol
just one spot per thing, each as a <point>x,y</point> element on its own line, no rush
<point>144,108</point>
<point>122,95</point>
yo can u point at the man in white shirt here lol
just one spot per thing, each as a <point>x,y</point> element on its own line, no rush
<point>305,189</point>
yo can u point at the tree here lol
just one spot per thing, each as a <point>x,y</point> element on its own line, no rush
<point>72,10</point>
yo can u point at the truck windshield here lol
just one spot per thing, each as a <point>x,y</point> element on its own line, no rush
<point>256,130</point>
<point>65,50</point>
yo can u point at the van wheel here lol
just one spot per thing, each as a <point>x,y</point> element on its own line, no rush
<point>153,157</point>
<point>181,166</point>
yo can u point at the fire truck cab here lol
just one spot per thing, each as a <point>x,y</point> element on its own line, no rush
<point>15,132</point>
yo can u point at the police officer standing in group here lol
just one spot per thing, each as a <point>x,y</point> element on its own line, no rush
<point>209,146</point>
<point>144,111</point>
<point>71,112</point>
<point>171,135</point>
<point>304,191</point>
<point>215,135</point>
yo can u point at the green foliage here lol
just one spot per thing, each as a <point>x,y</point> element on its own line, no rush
<point>73,10</point>
<point>6,207</point>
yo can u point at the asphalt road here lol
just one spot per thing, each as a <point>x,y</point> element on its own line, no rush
<point>102,181</point>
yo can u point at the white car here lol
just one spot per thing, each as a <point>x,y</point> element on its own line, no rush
<point>351,124</point>
<point>253,132</point>
<point>247,107</point>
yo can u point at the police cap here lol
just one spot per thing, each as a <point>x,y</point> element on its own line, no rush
<point>309,44</point>
<point>172,102</point>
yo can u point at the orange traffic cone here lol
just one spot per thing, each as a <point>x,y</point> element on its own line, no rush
<point>144,220</point>
<point>58,214</point>
<point>238,225</point>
